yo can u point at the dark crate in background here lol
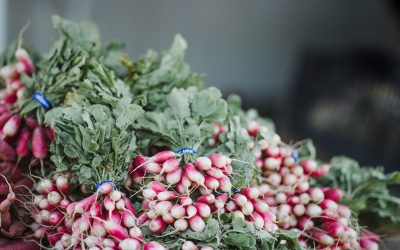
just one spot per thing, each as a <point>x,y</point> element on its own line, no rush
<point>349,103</point>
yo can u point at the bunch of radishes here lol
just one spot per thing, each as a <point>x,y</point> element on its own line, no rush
<point>315,212</point>
<point>103,220</point>
<point>11,73</point>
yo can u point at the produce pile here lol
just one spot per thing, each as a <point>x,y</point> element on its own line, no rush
<point>101,152</point>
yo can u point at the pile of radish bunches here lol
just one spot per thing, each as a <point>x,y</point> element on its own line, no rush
<point>11,74</point>
<point>316,213</point>
<point>218,129</point>
<point>168,187</point>
<point>103,220</point>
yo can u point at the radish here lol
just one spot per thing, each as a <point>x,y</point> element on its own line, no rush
<point>329,205</point>
<point>186,201</point>
<point>215,173</point>
<point>188,245</point>
<point>203,163</point>
<point>152,245</point>
<point>115,195</point>
<point>128,220</point>
<point>157,225</point>
<point>313,210</point>
<point>218,160</point>
<point>83,205</point>
<point>323,238</point>
<point>98,228</point>
<point>206,248</point>
<point>299,210</point>
<point>225,184</point>
<point>207,199</point>
<point>25,64</point>
<point>163,156</point>
<point>369,244</point>
<point>129,244</point>
<point>334,194</point>
<point>181,225</point>
<point>194,175</point>
<point>170,165</point>
<point>239,214</point>
<point>309,166</point>
<point>54,198</point>
<point>334,228</point>
<point>272,163</point>
<point>316,195</point>
<point>203,209</point>
<point>109,243</point>
<point>344,211</point>
<point>12,126</point>
<point>22,144</point>
<point>39,143</point>
<point>191,211</point>
<point>174,177</point>
<point>62,184</point>
<point>115,230</point>
<point>231,206</point>
<point>281,198</point>
<point>135,233</point>
<point>7,153</point>
<point>149,194</point>
<point>305,198</point>
<point>251,193</point>
<point>247,208</point>
<point>178,211</point>
<point>196,223</point>
<point>240,199</point>
<point>260,207</point>
<point>166,195</point>
<point>257,220</point>
<point>167,218</point>
<point>153,167</point>
<point>211,182</point>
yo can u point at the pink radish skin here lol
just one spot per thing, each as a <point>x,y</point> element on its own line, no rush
<point>128,220</point>
<point>196,223</point>
<point>149,194</point>
<point>83,205</point>
<point>240,199</point>
<point>64,204</point>
<point>174,177</point>
<point>109,243</point>
<point>55,218</point>
<point>39,143</point>
<point>313,210</point>
<point>220,200</point>
<point>323,238</point>
<point>157,225</point>
<point>334,194</point>
<point>167,218</point>
<point>120,205</point>
<point>12,126</point>
<point>95,209</point>
<point>309,166</point>
<point>115,195</point>
<point>203,209</point>
<point>166,195</point>
<point>62,184</point>
<point>194,175</point>
<point>188,245</point>
<point>164,156</point>
<point>215,173</point>
<point>191,211</point>
<point>211,182</point>
<point>185,180</point>
<point>259,206</point>
<point>129,244</point>
<point>334,228</point>
<point>128,206</point>
<point>203,163</point>
<point>247,208</point>
<point>170,165</point>
<point>329,205</point>
<point>206,248</point>
<point>250,193</point>
<point>23,57</point>
<point>152,245</point>
<point>108,204</point>
<point>368,244</point>
<point>115,230</point>
<point>153,167</point>
<point>231,206</point>
<point>135,233</point>
<point>257,220</point>
<point>22,145</point>
<point>228,170</point>
<point>7,153</point>
<point>186,201</point>
<point>225,184</point>
<point>316,195</point>
<point>207,199</point>
<point>218,160</point>
<point>178,211</point>
<point>305,223</point>
<point>98,228</point>
<point>54,198</point>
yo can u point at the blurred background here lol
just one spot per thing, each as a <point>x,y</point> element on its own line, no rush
<point>328,70</point>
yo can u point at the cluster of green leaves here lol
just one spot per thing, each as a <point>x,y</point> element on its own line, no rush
<point>228,232</point>
<point>155,76</point>
<point>366,190</point>
<point>186,120</point>
<point>94,142</point>
<point>71,69</point>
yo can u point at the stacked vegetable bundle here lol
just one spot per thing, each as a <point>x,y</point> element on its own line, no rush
<point>99,152</point>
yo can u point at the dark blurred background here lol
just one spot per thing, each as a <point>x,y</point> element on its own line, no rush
<point>328,70</point>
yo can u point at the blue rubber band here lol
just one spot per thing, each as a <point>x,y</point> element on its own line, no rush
<point>43,101</point>
<point>106,181</point>
<point>186,150</point>
<point>295,155</point>
<point>236,191</point>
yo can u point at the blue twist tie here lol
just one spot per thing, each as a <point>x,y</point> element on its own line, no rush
<point>106,181</point>
<point>186,150</point>
<point>295,155</point>
<point>236,191</point>
<point>43,101</point>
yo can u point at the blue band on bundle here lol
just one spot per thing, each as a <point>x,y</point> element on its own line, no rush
<point>186,150</point>
<point>106,181</point>
<point>295,155</point>
<point>43,101</point>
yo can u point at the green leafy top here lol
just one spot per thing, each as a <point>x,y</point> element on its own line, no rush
<point>155,76</point>
<point>365,189</point>
<point>186,121</point>
<point>229,232</point>
<point>71,67</point>
<point>94,142</point>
